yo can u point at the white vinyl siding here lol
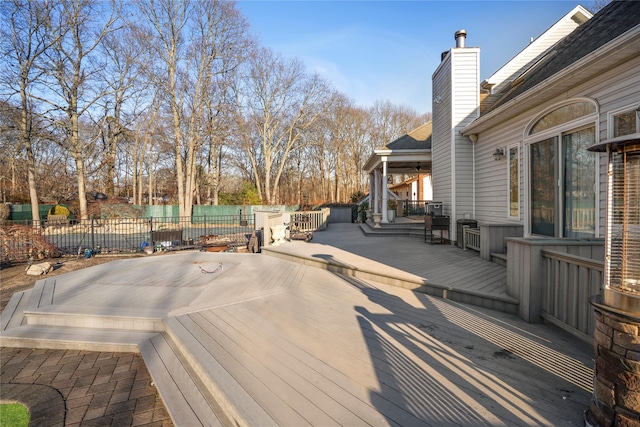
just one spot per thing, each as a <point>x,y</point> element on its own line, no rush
<point>441,135</point>
<point>491,175</point>
<point>612,90</point>
<point>465,94</point>
<point>455,105</point>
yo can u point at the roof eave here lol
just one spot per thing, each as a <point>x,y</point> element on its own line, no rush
<point>628,42</point>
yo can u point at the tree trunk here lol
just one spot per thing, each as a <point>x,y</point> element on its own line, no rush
<point>31,161</point>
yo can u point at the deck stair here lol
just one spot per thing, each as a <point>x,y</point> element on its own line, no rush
<point>196,388</point>
<point>401,227</point>
<point>474,281</point>
<point>191,383</point>
<point>29,320</point>
<point>500,259</point>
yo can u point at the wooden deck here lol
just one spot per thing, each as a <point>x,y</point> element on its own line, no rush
<point>441,270</point>
<point>249,339</point>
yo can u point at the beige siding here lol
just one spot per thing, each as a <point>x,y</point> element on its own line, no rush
<point>617,88</point>
<point>613,94</point>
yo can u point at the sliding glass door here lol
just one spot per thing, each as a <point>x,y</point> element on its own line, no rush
<point>562,193</point>
<point>579,165</point>
<point>543,187</point>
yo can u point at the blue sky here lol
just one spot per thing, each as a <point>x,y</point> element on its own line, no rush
<point>388,50</point>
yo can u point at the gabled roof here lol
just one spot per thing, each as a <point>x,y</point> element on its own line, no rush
<point>610,38</point>
<point>537,48</point>
<point>611,22</point>
<point>405,153</point>
<point>419,138</point>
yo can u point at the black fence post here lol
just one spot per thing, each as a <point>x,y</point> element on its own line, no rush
<point>151,243</point>
<point>93,243</point>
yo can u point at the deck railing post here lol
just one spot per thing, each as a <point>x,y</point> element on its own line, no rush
<point>465,236</point>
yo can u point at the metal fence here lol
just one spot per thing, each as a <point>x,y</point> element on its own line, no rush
<point>414,207</point>
<point>23,240</point>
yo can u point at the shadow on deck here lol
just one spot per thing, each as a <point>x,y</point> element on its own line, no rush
<point>444,271</point>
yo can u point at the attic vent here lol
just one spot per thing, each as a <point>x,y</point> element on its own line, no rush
<point>579,18</point>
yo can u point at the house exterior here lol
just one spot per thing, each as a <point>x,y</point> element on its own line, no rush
<point>511,151</point>
<point>417,188</point>
<point>467,179</point>
<point>511,154</point>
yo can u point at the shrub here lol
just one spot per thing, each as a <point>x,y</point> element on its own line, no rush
<point>59,210</point>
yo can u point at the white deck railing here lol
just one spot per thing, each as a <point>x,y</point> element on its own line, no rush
<point>471,238</point>
<point>310,220</point>
<point>567,283</point>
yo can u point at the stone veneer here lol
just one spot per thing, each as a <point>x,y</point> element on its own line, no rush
<point>616,387</point>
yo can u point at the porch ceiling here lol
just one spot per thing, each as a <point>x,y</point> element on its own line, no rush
<point>400,163</point>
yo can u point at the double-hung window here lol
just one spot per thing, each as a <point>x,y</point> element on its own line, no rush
<point>562,173</point>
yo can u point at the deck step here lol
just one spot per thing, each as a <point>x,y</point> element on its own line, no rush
<point>393,229</point>
<point>44,327</point>
<point>181,392</point>
<point>195,387</point>
<point>13,314</point>
<point>62,337</point>
<point>500,259</point>
<point>502,303</point>
<point>37,308</point>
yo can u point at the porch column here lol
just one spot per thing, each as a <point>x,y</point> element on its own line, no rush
<point>376,188</point>
<point>385,219</point>
<point>372,190</point>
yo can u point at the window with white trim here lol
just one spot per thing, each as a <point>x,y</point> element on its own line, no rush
<point>513,178</point>
<point>624,122</point>
<point>562,173</point>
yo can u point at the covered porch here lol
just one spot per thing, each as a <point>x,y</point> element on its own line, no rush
<point>407,155</point>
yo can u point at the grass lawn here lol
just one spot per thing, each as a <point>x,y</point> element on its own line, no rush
<point>14,415</point>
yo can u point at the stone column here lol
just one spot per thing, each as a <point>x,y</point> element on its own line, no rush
<point>616,388</point>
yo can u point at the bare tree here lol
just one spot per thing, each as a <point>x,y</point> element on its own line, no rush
<point>389,121</point>
<point>72,90</point>
<point>193,43</point>
<point>27,32</point>
<point>122,76</point>
<point>281,102</point>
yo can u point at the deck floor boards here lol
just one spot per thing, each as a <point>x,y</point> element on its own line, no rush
<point>286,343</point>
<point>444,265</point>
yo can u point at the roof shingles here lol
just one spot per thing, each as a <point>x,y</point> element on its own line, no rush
<point>610,22</point>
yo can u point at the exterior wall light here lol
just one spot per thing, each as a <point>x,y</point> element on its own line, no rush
<point>498,154</point>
